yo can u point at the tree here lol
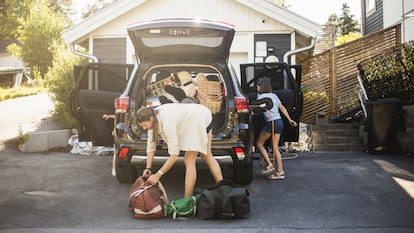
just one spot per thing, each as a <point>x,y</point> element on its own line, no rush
<point>60,82</point>
<point>11,11</point>
<point>37,32</point>
<point>95,7</point>
<point>345,23</point>
<point>346,27</point>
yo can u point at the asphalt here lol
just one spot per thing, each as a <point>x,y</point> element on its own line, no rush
<point>322,192</point>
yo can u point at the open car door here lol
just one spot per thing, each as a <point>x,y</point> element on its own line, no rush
<point>97,85</point>
<point>284,85</point>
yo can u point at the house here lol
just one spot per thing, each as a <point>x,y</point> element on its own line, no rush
<point>263,28</point>
<point>380,14</point>
<point>12,70</point>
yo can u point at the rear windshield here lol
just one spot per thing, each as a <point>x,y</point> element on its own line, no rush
<point>158,37</point>
<point>166,41</point>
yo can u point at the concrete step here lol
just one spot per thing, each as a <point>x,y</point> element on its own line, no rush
<point>338,147</point>
<point>338,140</point>
<point>336,137</point>
<point>331,126</point>
<point>43,141</point>
<point>335,133</point>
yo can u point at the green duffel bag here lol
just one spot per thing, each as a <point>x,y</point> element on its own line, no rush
<point>184,208</point>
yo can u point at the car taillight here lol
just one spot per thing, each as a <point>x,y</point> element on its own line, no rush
<point>123,153</point>
<point>121,104</point>
<point>239,153</point>
<point>242,104</point>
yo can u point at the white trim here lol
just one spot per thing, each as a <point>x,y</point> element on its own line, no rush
<point>78,32</point>
<point>99,19</point>
<point>283,15</point>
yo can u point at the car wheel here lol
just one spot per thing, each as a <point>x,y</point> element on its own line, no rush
<point>126,173</point>
<point>243,172</point>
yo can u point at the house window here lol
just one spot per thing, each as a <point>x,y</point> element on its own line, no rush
<point>369,7</point>
<point>261,51</point>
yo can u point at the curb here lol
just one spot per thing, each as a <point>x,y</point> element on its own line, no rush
<point>44,141</point>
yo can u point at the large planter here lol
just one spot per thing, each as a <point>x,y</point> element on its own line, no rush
<point>384,120</point>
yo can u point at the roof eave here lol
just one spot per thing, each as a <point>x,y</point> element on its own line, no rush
<point>284,16</point>
<point>78,31</point>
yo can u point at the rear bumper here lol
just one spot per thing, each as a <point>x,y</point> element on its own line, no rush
<point>225,154</point>
<point>140,160</point>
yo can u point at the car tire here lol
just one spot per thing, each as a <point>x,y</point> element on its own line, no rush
<point>243,172</point>
<point>126,173</point>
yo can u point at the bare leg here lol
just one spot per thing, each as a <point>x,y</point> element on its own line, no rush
<point>277,154</point>
<point>260,146</point>
<point>211,162</point>
<point>113,164</point>
<point>190,172</point>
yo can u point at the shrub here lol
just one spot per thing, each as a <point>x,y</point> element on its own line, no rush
<point>59,80</point>
<point>390,74</point>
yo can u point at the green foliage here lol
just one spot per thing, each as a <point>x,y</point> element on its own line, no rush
<point>95,7</point>
<point>21,137</point>
<point>390,74</point>
<point>345,23</point>
<point>11,11</point>
<point>60,82</point>
<point>347,38</point>
<point>37,32</point>
<point>11,93</point>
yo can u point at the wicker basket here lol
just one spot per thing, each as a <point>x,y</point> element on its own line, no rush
<point>209,87</point>
<point>209,94</point>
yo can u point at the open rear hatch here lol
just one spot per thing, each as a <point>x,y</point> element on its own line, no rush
<point>160,41</point>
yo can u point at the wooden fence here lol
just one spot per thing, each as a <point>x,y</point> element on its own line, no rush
<point>329,79</point>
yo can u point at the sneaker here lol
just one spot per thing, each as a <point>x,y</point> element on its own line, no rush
<point>268,169</point>
<point>276,176</point>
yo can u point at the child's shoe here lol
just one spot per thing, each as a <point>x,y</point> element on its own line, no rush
<point>268,169</point>
<point>275,176</point>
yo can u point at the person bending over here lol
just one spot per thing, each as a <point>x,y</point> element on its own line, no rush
<point>184,127</point>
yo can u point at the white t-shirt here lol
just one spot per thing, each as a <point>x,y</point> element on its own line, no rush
<point>273,113</point>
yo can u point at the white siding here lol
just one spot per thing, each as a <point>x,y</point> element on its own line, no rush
<point>246,20</point>
<point>393,15</point>
<point>236,59</point>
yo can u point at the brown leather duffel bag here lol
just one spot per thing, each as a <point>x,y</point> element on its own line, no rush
<point>147,201</point>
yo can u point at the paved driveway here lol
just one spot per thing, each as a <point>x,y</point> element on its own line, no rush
<point>323,192</point>
<point>60,192</point>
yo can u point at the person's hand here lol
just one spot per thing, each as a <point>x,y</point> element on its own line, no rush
<point>293,123</point>
<point>146,173</point>
<point>154,178</point>
<point>105,116</point>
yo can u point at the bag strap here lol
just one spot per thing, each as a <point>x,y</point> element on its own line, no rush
<point>223,182</point>
<point>161,188</point>
<point>164,193</point>
<point>194,210</point>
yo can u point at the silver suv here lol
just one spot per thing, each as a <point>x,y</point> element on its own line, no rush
<point>178,60</point>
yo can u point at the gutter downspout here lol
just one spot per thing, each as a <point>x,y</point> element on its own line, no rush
<point>290,53</point>
<point>87,55</point>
